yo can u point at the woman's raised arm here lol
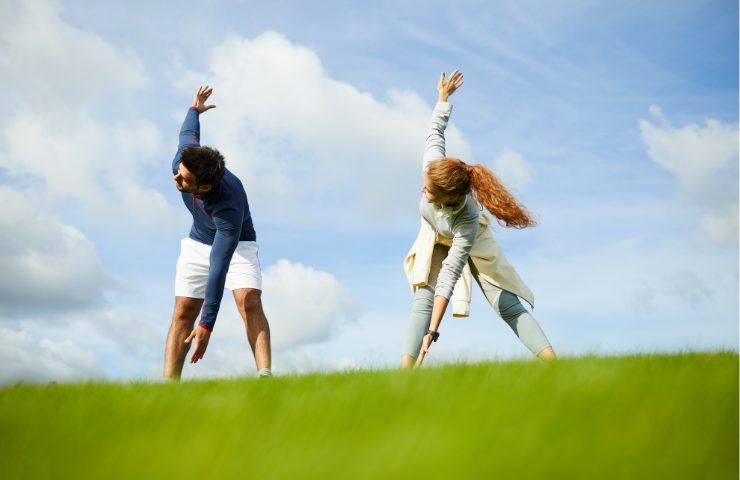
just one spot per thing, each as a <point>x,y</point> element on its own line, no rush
<point>435,144</point>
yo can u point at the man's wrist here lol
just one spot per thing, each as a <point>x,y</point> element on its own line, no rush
<point>205,327</point>
<point>434,334</point>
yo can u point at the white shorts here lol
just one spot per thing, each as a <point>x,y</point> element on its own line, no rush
<point>194,263</point>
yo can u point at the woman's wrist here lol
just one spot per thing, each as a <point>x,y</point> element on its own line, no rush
<point>443,97</point>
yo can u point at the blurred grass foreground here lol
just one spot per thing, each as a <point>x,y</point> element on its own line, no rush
<point>646,416</point>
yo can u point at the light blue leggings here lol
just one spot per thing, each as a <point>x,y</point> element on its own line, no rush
<point>506,304</point>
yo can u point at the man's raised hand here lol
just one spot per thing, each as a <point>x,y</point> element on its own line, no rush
<point>199,101</point>
<point>447,87</point>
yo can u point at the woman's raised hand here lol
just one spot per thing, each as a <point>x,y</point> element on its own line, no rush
<point>447,86</point>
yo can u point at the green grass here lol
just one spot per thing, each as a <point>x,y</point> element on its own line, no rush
<point>671,416</point>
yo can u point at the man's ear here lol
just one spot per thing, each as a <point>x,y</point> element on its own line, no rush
<point>206,188</point>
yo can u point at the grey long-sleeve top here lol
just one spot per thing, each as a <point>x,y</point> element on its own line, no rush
<point>459,222</point>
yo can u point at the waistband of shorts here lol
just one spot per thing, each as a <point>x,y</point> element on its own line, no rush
<point>196,242</point>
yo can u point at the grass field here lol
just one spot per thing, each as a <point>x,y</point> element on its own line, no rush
<point>672,416</point>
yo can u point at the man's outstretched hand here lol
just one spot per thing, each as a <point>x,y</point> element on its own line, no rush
<point>199,101</point>
<point>199,336</point>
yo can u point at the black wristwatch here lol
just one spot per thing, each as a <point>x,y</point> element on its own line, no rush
<point>435,335</point>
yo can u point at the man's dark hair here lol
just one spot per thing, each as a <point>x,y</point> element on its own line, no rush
<point>205,163</point>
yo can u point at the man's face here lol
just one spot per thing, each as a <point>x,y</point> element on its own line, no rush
<point>185,181</point>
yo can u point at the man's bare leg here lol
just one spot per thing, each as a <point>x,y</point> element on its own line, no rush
<point>183,321</point>
<point>249,304</point>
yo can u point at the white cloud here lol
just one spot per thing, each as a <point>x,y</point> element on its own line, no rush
<point>55,287</point>
<point>513,171</point>
<point>304,305</point>
<point>298,137</point>
<point>49,63</point>
<point>134,335</point>
<point>693,153</point>
<point>722,227</point>
<point>28,359</point>
<point>76,156</point>
<point>65,129</point>
<point>125,343</point>
<point>705,163</point>
<point>47,265</point>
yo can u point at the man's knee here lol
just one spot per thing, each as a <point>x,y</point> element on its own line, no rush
<point>186,309</point>
<point>250,302</point>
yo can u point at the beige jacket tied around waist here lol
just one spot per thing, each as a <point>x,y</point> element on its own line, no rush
<point>486,255</point>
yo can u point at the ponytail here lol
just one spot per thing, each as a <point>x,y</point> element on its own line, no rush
<point>488,191</point>
<point>453,177</point>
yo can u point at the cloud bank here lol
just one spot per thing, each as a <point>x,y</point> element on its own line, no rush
<point>24,358</point>
<point>299,137</point>
<point>704,160</point>
<point>68,129</point>
<point>48,266</point>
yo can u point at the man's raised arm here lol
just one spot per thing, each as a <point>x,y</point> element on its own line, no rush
<point>190,130</point>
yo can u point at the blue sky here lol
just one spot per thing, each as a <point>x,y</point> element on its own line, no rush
<point>616,124</point>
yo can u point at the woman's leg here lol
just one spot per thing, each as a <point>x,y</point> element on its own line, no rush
<point>421,312</point>
<point>511,310</point>
<point>421,315</point>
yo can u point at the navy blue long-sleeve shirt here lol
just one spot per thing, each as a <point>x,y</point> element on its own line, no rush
<point>221,219</point>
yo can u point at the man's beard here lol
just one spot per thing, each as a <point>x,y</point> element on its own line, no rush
<point>187,190</point>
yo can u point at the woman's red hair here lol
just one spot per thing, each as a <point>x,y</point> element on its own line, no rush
<point>455,178</point>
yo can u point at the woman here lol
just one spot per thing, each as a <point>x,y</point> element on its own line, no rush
<point>454,235</point>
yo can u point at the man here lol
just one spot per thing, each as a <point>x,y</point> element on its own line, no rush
<point>220,251</point>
